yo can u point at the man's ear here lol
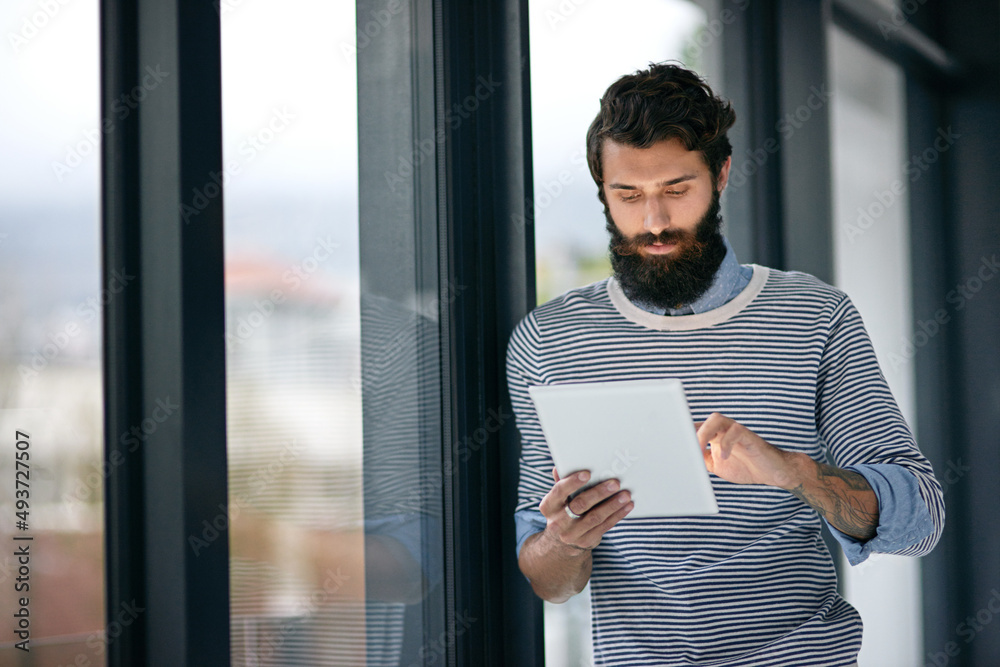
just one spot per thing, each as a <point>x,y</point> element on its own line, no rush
<point>724,174</point>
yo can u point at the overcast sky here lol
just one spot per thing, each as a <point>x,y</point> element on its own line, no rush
<point>288,60</point>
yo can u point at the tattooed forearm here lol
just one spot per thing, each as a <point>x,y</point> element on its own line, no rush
<point>843,498</point>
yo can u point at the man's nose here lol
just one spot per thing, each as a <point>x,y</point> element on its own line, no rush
<point>657,216</point>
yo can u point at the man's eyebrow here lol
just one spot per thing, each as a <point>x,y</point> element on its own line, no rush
<point>661,184</point>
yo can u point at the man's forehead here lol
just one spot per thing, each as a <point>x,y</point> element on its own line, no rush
<point>666,160</point>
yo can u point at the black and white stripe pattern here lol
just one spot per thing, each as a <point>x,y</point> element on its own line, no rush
<point>754,585</point>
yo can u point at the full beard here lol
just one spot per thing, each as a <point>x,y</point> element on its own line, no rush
<point>678,278</point>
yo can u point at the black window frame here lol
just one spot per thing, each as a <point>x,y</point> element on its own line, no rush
<point>166,338</point>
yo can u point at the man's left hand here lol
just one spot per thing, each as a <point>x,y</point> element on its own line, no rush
<point>739,455</point>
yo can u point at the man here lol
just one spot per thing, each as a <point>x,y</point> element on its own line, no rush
<point>779,374</point>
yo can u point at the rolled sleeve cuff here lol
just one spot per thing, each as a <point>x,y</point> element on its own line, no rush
<point>527,522</point>
<point>408,530</point>
<point>903,518</point>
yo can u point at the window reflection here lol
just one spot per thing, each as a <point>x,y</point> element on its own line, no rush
<point>333,420</point>
<point>292,337</point>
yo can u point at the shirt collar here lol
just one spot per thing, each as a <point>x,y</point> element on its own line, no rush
<point>726,279</point>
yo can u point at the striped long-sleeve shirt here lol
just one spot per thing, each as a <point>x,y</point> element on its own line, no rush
<point>788,358</point>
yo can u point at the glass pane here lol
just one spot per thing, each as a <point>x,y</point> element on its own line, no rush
<point>570,238</point>
<point>871,179</point>
<point>334,545</point>
<point>50,338</point>
<point>292,335</point>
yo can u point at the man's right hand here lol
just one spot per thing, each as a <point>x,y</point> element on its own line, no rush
<point>599,508</point>
<point>557,561</point>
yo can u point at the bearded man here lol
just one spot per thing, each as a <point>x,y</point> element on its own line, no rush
<point>781,378</point>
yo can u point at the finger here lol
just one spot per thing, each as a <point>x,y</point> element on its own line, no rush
<point>720,451</point>
<point>556,498</point>
<point>615,517</point>
<point>712,429</point>
<point>555,474</point>
<point>603,518</point>
<point>599,512</point>
<point>729,443</point>
<point>593,496</point>
<point>707,430</point>
<point>734,436</point>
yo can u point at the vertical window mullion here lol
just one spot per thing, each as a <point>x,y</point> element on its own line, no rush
<point>165,354</point>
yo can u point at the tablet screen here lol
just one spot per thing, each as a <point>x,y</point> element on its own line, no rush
<point>638,431</point>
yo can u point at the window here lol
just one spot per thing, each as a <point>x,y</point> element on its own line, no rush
<point>871,182</point>
<point>51,305</point>
<point>333,429</point>
<point>292,336</point>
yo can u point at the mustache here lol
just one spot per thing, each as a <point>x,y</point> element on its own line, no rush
<point>632,246</point>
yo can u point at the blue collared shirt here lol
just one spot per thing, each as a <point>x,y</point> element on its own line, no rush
<point>903,516</point>
<point>730,279</point>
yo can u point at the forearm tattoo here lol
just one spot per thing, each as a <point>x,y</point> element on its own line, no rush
<point>838,502</point>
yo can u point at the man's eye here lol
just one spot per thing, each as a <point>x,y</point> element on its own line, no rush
<point>630,198</point>
<point>676,192</point>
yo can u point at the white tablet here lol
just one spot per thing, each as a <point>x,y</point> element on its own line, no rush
<point>638,431</point>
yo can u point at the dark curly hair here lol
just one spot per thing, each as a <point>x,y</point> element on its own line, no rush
<point>662,102</point>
